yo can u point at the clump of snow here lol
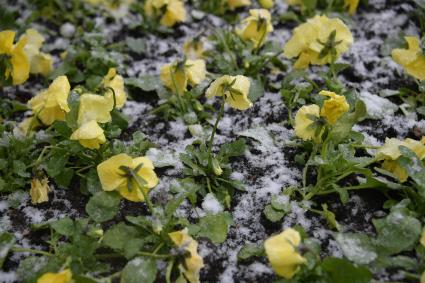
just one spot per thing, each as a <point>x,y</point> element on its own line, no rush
<point>211,204</point>
<point>377,107</point>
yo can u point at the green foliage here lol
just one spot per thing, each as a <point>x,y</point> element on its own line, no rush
<point>7,241</point>
<point>195,160</point>
<point>103,206</point>
<point>139,270</point>
<point>213,227</point>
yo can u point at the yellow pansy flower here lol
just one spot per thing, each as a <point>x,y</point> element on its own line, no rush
<point>256,27</point>
<point>304,127</point>
<point>266,4</point>
<point>116,82</point>
<point>112,177</point>
<point>234,4</point>
<point>174,11</point>
<point>60,277</point>
<point>309,40</point>
<point>94,107</point>
<point>351,5</point>
<point>282,252</point>
<point>176,76</point>
<point>390,152</point>
<point>51,105</point>
<point>193,261</point>
<point>193,49</point>
<point>90,135</point>
<point>412,59</point>
<point>18,60</point>
<point>235,90</point>
<point>334,107</point>
<point>40,63</point>
<point>39,190</point>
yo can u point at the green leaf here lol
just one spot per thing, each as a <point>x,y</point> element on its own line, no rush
<point>140,269</point>
<point>236,148</point>
<point>118,236</point>
<point>56,163</point>
<point>146,83</point>
<point>357,247</point>
<point>20,169</point>
<point>397,232</point>
<point>7,241</point>
<point>410,162</point>
<point>250,250</point>
<point>215,227</point>
<point>330,217</point>
<point>256,90</point>
<point>341,270</point>
<point>137,45</point>
<point>64,226</point>
<point>119,119</point>
<point>103,206</point>
<point>272,214</point>
<point>71,117</point>
<point>342,128</point>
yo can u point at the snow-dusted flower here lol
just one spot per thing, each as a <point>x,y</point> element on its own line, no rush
<point>333,107</point>
<point>193,262</point>
<point>51,104</point>
<point>305,122</point>
<point>60,277</point>
<point>193,49</point>
<point>412,59</point>
<point>235,90</point>
<point>319,41</point>
<point>90,135</point>
<point>114,84</point>
<point>39,190</point>
<point>13,60</point>
<point>94,107</point>
<point>266,4</point>
<point>256,26</point>
<point>113,176</point>
<point>174,11</point>
<point>390,152</point>
<point>40,63</point>
<point>234,4</point>
<point>282,252</point>
<point>176,76</point>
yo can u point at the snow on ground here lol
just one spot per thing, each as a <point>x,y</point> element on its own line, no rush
<point>267,166</point>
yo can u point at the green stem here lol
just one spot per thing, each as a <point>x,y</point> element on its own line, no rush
<point>159,256</point>
<point>210,145</point>
<point>305,170</point>
<point>145,195</point>
<point>179,99</point>
<point>28,250</point>
<point>352,188</point>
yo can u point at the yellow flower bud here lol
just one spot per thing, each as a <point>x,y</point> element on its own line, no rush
<point>256,27</point>
<point>61,277</point>
<point>234,4</point>
<point>115,82</point>
<point>412,59</point>
<point>193,49</point>
<point>282,253</point>
<point>51,105</point>
<point>18,59</point>
<point>193,262</point>
<point>39,190</point>
<point>334,107</point>
<point>390,152</point>
<point>352,6</point>
<point>216,167</point>
<point>90,135</point>
<point>266,4</point>
<point>174,11</point>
